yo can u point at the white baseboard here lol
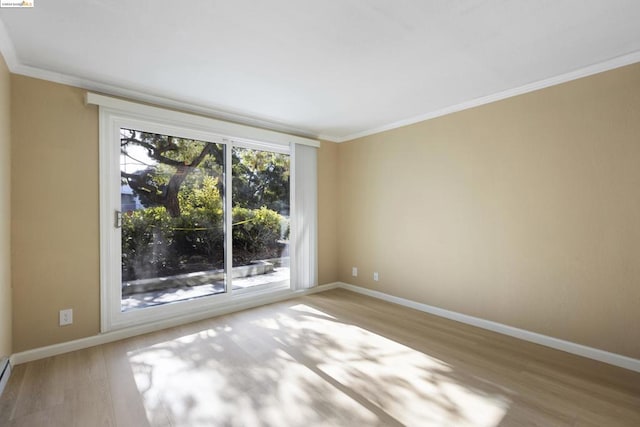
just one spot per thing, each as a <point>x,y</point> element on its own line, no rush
<point>558,344</point>
<point>5,373</point>
<point>107,337</point>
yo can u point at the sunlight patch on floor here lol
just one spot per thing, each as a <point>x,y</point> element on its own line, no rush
<point>308,369</point>
<point>413,387</point>
<point>277,392</point>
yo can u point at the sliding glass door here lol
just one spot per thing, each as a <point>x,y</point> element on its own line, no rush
<point>172,218</point>
<point>195,222</point>
<point>261,218</point>
<point>197,218</point>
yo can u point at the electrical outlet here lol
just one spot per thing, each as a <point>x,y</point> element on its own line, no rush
<point>66,317</point>
<point>375,276</point>
<point>354,271</point>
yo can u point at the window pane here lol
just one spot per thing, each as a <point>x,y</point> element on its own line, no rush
<point>172,218</point>
<point>261,206</point>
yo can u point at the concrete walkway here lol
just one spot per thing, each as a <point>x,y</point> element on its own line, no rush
<point>181,293</point>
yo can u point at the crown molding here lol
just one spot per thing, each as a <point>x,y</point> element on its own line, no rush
<point>16,67</point>
<point>114,89</point>
<point>610,64</point>
<point>6,48</point>
<point>160,101</point>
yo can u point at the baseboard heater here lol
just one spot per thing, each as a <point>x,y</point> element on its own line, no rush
<point>5,371</point>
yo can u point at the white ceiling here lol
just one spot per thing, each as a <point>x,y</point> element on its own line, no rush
<point>335,69</point>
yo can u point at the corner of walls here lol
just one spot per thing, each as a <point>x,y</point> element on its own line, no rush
<point>55,161</point>
<point>364,193</point>
<point>327,212</point>
<point>521,212</point>
<point>5,213</point>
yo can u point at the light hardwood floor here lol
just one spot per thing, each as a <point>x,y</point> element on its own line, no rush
<point>330,359</point>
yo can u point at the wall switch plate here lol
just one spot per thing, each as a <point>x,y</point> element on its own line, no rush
<point>375,276</point>
<point>354,271</point>
<point>66,317</point>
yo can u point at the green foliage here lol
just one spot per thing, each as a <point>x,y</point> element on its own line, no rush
<point>146,239</point>
<point>154,244</point>
<point>157,244</point>
<point>257,230</point>
<point>199,231</point>
<point>261,178</point>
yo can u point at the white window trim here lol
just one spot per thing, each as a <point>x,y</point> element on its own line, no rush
<point>116,113</point>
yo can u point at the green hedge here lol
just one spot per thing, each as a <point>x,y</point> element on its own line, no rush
<point>155,245</point>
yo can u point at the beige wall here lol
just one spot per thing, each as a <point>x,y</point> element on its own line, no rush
<point>5,211</point>
<point>524,211</point>
<point>55,240</point>
<point>55,213</point>
<point>327,213</point>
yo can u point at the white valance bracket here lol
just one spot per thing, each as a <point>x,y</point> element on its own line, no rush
<point>220,127</point>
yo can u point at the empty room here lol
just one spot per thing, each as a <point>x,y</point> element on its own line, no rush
<point>330,213</point>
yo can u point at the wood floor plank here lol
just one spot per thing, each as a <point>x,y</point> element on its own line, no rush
<point>10,394</point>
<point>128,407</point>
<point>329,359</point>
<point>41,388</point>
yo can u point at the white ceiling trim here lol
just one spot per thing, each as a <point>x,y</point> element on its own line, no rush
<point>134,95</point>
<point>7,49</point>
<point>15,66</point>
<point>610,64</point>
